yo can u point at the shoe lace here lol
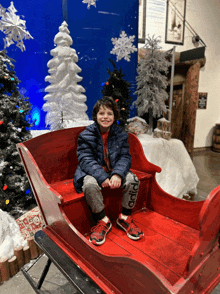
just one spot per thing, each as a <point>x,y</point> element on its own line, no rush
<point>99,227</point>
<point>132,226</point>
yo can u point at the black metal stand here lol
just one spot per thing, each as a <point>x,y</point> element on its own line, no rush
<point>78,279</point>
<point>37,286</point>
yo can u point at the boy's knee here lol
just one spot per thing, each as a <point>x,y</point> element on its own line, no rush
<point>90,182</point>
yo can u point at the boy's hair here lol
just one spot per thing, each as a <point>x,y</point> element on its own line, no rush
<point>107,102</point>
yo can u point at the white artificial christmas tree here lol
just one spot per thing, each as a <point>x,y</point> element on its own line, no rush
<point>152,81</point>
<point>65,101</point>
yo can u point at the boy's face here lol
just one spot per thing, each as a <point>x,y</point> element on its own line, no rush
<point>105,118</point>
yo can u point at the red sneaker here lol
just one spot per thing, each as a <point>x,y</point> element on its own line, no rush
<point>132,230</point>
<point>99,232</point>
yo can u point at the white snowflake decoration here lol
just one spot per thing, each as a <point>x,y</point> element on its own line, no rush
<point>90,2</point>
<point>13,27</point>
<point>123,46</point>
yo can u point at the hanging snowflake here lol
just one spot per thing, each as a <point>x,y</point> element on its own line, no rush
<point>123,46</point>
<point>90,2</point>
<point>13,27</point>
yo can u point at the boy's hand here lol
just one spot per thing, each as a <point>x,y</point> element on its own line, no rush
<point>106,183</point>
<point>115,182</point>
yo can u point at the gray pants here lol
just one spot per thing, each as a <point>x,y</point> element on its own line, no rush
<point>94,198</point>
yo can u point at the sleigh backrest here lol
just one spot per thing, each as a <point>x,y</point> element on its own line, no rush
<point>55,153</point>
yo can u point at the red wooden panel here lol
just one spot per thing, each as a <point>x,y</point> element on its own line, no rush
<point>55,153</point>
<point>175,231</point>
<point>138,159</point>
<point>135,277</point>
<point>209,222</point>
<point>185,212</point>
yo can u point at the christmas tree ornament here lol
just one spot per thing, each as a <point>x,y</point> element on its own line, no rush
<point>123,46</point>
<point>65,101</point>
<point>89,2</point>
<point>13,27</point>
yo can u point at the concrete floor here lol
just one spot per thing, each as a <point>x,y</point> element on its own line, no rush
<point>55,282</point>
<point>207,166</point>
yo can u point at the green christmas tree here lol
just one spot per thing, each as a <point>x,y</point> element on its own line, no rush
<point>152,81</point>
<point>118,89</point>
<point>15,192</point>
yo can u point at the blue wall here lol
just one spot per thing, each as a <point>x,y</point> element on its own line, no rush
<point>91,31</point>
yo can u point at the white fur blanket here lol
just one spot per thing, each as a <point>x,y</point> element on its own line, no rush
<point>178,175</point>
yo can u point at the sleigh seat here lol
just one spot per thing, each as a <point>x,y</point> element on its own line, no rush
<point>179,252</point>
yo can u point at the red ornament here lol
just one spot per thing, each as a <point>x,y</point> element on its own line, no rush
<point>1,122</point>
<point>107,83</point>
<point>116,100</point>
<point>5,187</point>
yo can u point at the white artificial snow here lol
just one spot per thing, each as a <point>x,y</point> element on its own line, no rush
<point>123,46</point>
<point>136,117</point>
<point>90,2</point>
<point>163,119</point>
<point>157,130</point>
<point>10,235</point>
<point>13,27</point>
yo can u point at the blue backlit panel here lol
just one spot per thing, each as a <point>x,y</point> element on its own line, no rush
<point>91,31</point>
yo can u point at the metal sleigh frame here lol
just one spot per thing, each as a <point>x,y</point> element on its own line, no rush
<point>178,255</point>
<point>76,277</point>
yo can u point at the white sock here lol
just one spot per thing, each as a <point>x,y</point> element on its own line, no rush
<point>105,219</point>
<point>122,216</point>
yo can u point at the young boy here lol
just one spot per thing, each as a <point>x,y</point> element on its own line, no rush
<point>104,161</point>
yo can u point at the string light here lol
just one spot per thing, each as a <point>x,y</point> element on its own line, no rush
<point>1,122</point>
<point>107,83</point>
<point>7,202</point>
<point>116,100</point>
<point>5,187</point>
<point>102,84</point>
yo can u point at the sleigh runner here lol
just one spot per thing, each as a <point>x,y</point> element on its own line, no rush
<point>179,252</point>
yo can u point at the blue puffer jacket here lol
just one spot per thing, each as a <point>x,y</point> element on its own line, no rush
<point>90,153</point>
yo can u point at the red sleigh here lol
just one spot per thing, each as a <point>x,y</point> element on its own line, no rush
<point>180,251</point>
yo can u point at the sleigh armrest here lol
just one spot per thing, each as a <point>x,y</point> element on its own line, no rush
<point>47,198</point>
<point>209,224</point>
<point>138,159</point>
